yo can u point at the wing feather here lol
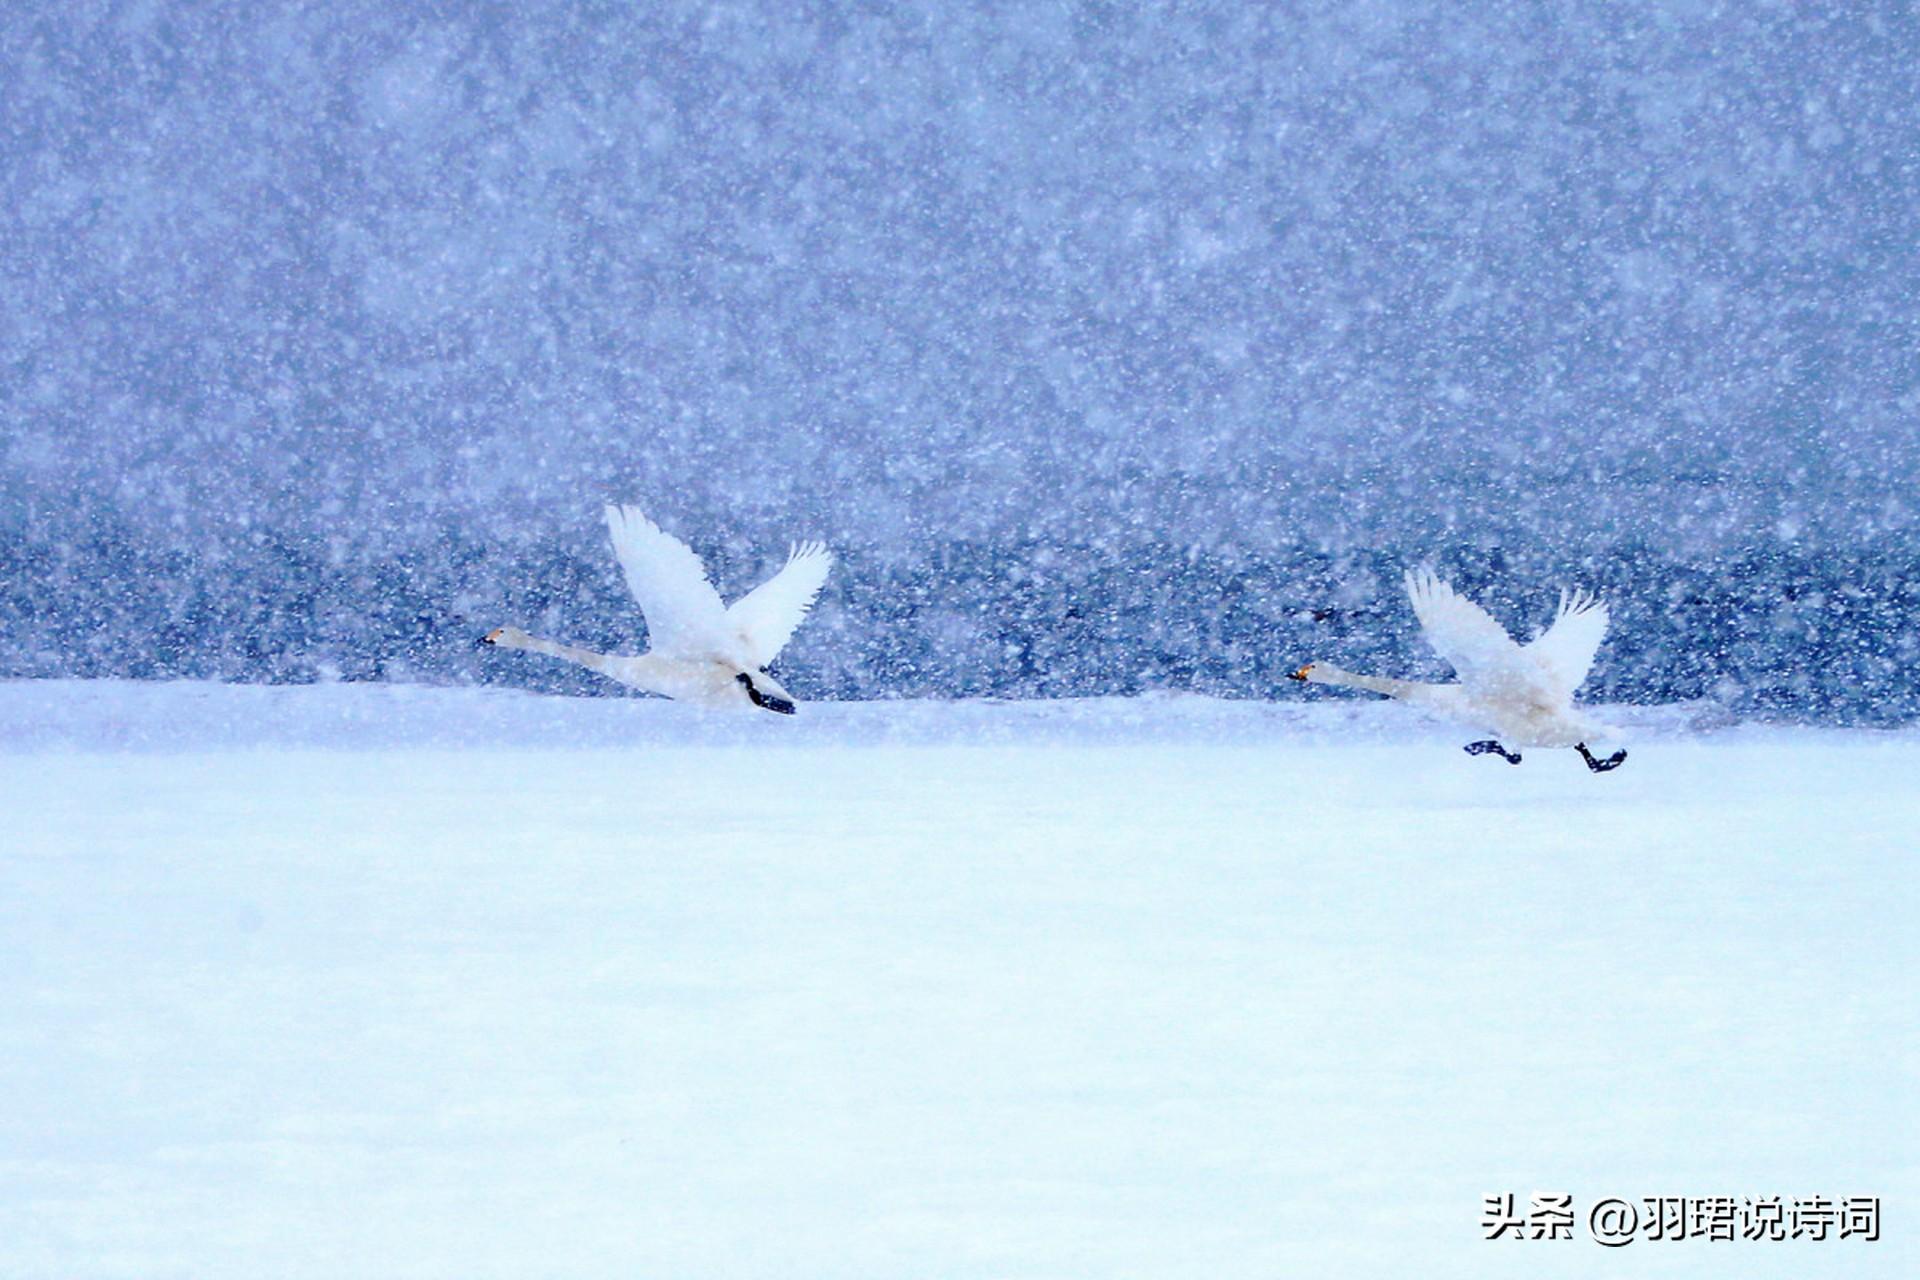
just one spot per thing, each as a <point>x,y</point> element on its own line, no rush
<point>684,615</point>
<point>1478,649</point>
<point>766,617</point>
<point>1565,650</point>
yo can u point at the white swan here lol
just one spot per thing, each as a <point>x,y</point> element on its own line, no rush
<point>699,650</point>
<point>1524,693</point>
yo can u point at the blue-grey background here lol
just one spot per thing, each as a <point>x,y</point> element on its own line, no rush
<point>1114,346</point>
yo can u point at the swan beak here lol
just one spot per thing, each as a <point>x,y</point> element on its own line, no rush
<point>493,636</point>
<point>1301,674</point>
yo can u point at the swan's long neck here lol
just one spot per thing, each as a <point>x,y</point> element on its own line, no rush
<point>1405,690</point>
<point>605,664</point>
<point>710,683</point>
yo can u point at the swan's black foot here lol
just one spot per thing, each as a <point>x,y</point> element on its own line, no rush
<point>769,701</point>
<point>1482,748</point>
<point>1613,761</point>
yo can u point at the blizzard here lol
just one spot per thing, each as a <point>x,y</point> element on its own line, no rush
<point>391,980</point>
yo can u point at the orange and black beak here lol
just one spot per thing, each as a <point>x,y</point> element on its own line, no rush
<point>1301,674</point>
<point>493,636</point>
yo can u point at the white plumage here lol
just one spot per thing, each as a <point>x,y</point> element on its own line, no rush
<point>766,617</point>
<point>1522,692</point>
<point>698,649</point>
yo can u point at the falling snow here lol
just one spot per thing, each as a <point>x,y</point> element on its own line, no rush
<point>1115,348</point>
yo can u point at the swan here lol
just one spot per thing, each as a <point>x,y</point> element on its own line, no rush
<point>1523,692</point>
<point>699,650</point>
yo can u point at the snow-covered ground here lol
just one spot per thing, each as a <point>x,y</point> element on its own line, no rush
<point>381,981</point>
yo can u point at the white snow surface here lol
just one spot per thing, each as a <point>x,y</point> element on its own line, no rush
<point>366,980</point>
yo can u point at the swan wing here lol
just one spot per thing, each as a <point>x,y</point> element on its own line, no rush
<point>684,615</point>
<point>765,617</point>
<point>1474,645</point>
<point>1565,650</point>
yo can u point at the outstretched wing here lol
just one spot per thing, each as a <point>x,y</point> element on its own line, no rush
<point>684,615</point>
<point>1474,645</point>
<point>766,616</point>
<point>1565,650</point>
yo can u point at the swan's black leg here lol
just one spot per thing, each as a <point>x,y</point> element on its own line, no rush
<point>1613,761</point>
<point>767,701</point>
<point>1482,748</point>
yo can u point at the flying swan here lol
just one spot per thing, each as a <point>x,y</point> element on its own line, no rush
<point>699,650</point>
<point>1523,692</point>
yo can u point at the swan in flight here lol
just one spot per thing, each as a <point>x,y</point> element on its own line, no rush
<point>1523,692</point>
<point>699,650</point>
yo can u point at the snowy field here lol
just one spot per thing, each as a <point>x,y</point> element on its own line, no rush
<point>373,981</point>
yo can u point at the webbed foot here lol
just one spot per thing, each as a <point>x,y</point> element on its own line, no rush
<point>1613,761</point>
<point>764,700</point>
<point>1483,748</point>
